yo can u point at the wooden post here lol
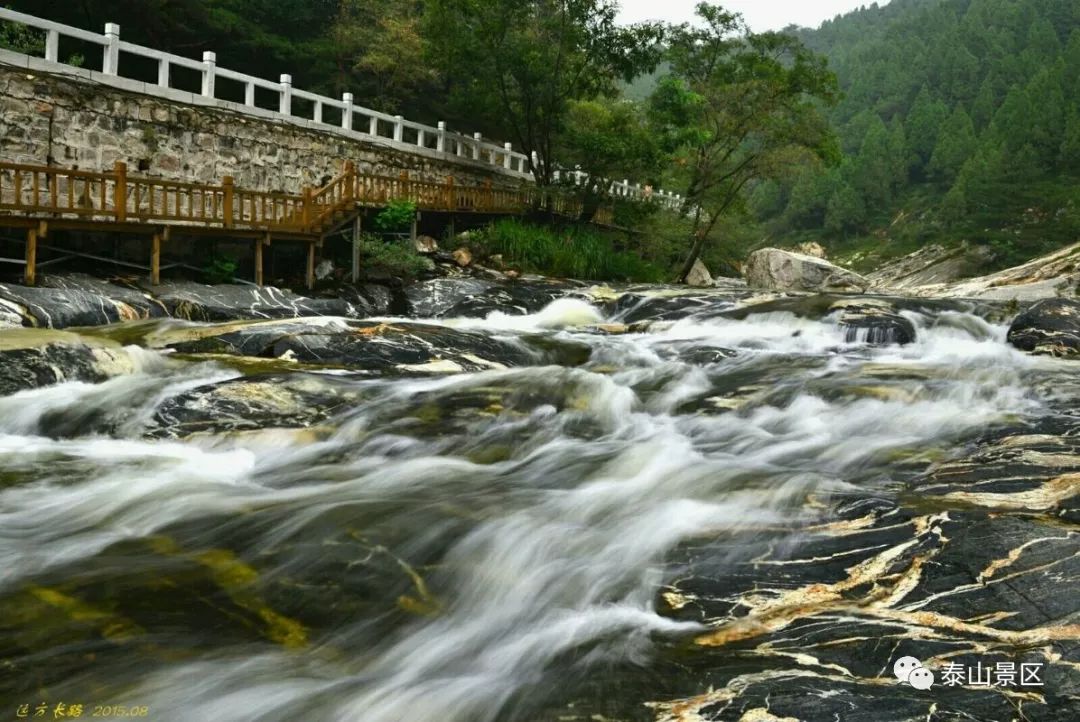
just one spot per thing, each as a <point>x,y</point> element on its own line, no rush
<point>350,180</point>
<point>311,265</point>
<point>451,203</point>
<point>305,212</point>
<point>489,195</point>
<point>227,200</point>
<point>30,270</point>
<point>259,242</point>
<point>155,260</point>
<point>356,250</point>
<point>120,192</point>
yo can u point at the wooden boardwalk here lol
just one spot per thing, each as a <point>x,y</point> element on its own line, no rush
<point>40,198</point>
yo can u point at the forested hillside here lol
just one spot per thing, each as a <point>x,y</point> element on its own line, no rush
<point>959,121</point>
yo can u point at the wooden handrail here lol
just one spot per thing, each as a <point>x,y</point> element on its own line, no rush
<point>52,191</point>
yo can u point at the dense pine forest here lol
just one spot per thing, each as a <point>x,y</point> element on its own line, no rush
<point>959,121</point>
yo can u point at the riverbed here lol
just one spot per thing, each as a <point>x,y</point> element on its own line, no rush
<point>595,504</point>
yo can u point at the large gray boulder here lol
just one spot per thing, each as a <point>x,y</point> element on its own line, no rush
<point>699,276</point>
<point>778,270</point>
<point>1050,327</point>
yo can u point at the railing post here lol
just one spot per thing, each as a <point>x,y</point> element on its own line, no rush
<point>346,113</point>
<point>451,201</point>
<point>111,57</point>
<point>440,140</point>
<point>399,129</point>
<point>317,114</point>
<point>227,201</point>
<point>249,95</point>
<point>120,192</point>
<point>508,159</point>
<point>420,138</point>
<point>350,180</point>
<point>305,212</point>
<point>209,61</point>
<point>476,147</point>
<point>285,100</point>
<point>52,46</point>
<point>373,126</point>
<point>163,73</point>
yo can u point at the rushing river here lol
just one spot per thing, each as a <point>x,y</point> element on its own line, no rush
<point>696,519</point>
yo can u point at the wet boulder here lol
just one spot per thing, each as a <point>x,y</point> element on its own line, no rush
<point>65,301</point>
<point>1050,327</point>
<point>381,348</point>
<point>253,403</point>
<point>34,358</point>
<point>432,299</point>
<point>873,322</point>
<point>199,302</point>
<point>778,270</point>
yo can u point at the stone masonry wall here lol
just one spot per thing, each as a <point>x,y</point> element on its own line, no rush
<point>66,121</point>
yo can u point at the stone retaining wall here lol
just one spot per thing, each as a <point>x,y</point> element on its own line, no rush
<point>47,118</point>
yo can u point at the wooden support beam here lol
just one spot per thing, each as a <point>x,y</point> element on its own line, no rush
<point>30,269</point>
<point>155,260</point>
<point>356,250</point>
<point>265,240</point>
<point>311,265</point>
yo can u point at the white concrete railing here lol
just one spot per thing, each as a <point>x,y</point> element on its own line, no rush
<point>356,121</point>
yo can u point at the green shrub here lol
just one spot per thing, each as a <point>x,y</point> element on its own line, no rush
<point>395,257</point>
<point>220,269</point>
<point>571,252</point>
<point>396,217</point>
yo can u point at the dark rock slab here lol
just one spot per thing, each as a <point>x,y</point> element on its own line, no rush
<point>253,403</point>
<point>199,302</point>
<point>873,322</point>
<point>396,347</point>
<point>65,301</point>
<point>1050,327</point>
<point>33,359</point>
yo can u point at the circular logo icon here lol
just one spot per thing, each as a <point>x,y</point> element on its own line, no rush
<point>921,678</point>
<point>904,667</point>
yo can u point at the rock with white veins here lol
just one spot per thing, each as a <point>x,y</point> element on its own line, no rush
<point>1050,327</point>
<point>31,358</point>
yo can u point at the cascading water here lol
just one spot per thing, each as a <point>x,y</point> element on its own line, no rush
<point>507,544</point>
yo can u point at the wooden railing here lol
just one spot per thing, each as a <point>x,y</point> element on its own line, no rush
<point>55,192</point>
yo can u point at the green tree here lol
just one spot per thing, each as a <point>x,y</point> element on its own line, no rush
<point>515,66</point>
<point>923,126</point>
<point>873,170</point>
<point>750,107</point>
<point>956,144</point>
<point>845,212</point>
<point>608,140</point>
<point>381,54</point>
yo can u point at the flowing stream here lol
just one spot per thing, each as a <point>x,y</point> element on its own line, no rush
<point>503,544</point>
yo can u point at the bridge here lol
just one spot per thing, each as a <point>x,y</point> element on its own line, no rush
<point>281,148</point>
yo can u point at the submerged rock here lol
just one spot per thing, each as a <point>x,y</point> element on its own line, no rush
<point>874,322</point>
<point>398,347</point>
<point>253,403</point>
<point>33,358</point>
<point>1050,327</point>
<point>778,270</point>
